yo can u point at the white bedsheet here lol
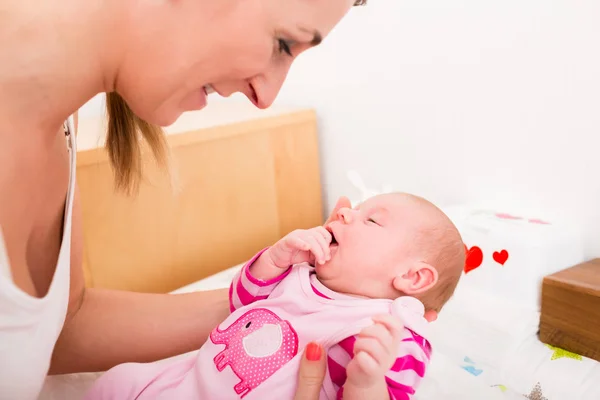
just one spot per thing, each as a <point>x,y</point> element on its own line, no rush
<point>495,341</point>
<point>484,348</point>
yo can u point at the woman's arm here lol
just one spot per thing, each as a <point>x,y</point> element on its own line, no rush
<point>113,327</point>
<point>108,327</point>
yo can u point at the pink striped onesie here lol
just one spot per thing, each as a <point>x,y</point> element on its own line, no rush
<point>255,352</point>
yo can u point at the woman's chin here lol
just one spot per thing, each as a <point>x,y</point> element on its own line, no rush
<point>170,111</point>
<point>194,101</point>
<point>162,116</point>
<point>165,116</point>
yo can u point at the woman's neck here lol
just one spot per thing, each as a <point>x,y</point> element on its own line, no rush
<point>56,55</point>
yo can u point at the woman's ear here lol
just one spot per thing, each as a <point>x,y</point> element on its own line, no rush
<point>418,279</point>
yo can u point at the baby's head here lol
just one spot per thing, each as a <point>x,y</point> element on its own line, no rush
<point>393,245</point>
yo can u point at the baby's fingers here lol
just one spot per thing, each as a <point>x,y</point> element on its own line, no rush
<point>367,364</point>
<point>325,234</point>
<point>316,248</point>
<point>324,238</point>
<point>298,243</point>
<point>374,349</point>
<point>378,332</point>
<point>392,324</point>
<point>319,244</point>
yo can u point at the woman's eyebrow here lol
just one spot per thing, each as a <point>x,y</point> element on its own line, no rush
<point>317,38</point>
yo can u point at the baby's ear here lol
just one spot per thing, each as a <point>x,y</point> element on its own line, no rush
<point>418,279</point>
<point>431,315</point>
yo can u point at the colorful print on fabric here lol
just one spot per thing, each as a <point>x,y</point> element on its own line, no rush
<point>256,346</point>
<point>501,387</point>
<point>561,353</point>
<point>536,393</point>
<point>471,368</point>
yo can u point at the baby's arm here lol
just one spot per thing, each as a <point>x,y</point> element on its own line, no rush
<point>409,368</point>
<point>255,281</point>
<point>259,277</point>
<point>370,349</point>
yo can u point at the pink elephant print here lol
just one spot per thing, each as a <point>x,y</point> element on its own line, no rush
<point>256,345</point>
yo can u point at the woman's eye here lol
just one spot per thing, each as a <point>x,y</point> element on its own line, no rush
<point>284,47</point>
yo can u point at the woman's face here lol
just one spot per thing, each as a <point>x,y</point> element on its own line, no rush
<point>177,49</point>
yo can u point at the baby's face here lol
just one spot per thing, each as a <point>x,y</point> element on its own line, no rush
<point>373,243</point>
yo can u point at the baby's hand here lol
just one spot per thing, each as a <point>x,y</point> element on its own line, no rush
<point>375,352</point>
<point>302,245</point>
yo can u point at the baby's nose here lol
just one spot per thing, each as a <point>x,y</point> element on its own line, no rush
<point>345,215</point>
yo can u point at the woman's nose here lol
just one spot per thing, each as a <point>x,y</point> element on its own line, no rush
<point>267,85</point>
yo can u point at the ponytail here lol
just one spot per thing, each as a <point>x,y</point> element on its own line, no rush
<point>124,145</point>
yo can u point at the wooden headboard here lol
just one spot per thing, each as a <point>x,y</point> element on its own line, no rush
<point>246,177</point>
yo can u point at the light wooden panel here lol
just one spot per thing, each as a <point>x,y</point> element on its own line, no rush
<point>244,183</point>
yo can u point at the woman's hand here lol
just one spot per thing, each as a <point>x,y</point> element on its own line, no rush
<point>311,374</point>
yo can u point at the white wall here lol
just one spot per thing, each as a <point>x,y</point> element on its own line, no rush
<point>495,102</point>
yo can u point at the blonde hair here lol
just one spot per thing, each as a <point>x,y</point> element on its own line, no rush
<point>124,146</point>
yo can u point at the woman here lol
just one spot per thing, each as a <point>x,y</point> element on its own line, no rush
<point>155,59</point>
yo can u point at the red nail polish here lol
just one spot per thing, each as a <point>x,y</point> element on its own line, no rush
<point>313,352</point>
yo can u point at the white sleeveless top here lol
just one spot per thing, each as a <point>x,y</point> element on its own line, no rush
<point>30,326</point>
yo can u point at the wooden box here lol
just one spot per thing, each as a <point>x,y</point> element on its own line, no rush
<point>570,315</point>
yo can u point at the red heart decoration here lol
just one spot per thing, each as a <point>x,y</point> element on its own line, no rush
<point>500,257</point>
<point>474,258</point>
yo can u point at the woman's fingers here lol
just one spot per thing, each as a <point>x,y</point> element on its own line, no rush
<point>311,374</point>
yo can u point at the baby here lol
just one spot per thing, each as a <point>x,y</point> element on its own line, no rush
<point>359,286</point>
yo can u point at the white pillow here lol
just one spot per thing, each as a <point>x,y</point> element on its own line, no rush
<point>509,255</point>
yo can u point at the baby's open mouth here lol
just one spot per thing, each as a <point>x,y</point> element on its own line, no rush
<point>333,239</point>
